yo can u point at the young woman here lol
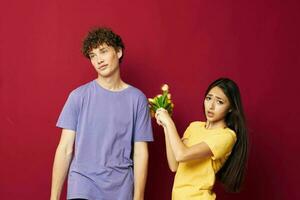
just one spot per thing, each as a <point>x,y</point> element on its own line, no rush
<point>215,148</point>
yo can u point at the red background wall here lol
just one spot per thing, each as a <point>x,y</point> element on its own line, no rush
<point>186,44</point>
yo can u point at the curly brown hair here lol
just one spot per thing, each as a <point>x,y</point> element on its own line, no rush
<point>99,36</point>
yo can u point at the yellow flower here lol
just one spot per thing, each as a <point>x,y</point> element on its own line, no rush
<point>165,88</point>
<point>169,96</point>
<point>161,101</point>
<point>151,100</point>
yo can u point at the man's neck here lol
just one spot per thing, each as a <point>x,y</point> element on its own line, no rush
<point>111,83</point>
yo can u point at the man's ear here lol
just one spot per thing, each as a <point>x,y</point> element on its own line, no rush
<point>119,53</point>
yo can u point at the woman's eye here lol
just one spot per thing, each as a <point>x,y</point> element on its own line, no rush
<point>220,102</point>
<point>207,98</point>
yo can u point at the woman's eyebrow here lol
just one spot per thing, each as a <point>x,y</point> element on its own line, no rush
<point>220,98</point>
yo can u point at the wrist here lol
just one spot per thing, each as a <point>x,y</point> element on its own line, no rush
<point>138,196</point>
<point>169,123</point>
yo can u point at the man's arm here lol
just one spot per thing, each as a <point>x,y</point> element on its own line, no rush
<point>140,159</point>
<point>62,161</point>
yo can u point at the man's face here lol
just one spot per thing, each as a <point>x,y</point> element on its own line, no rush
<point>105,60</point>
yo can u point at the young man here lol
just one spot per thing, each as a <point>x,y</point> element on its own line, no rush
<point>109,123</point>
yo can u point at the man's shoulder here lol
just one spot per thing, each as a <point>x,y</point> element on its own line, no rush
<point>82,89</point>
<point>135,91</point>
<point>136,95</point>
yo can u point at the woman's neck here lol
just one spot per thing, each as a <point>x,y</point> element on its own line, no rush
<point>214,125</point>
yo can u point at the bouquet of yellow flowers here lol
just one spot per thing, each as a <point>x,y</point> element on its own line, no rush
<point>161,101</point>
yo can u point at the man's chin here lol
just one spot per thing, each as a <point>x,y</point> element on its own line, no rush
<point>106,75</point>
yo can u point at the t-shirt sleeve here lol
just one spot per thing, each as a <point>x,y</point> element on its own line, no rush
<point>69,115</point>
<point>220,144</point>
<point>187,132</point>
<point>143,127</point>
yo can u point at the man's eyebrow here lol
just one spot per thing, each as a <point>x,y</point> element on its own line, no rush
<point>102,48</point>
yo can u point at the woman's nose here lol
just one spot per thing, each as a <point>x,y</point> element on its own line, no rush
<point>212,105</point>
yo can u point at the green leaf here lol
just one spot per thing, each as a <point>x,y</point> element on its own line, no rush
<point>164,99</point>
<point>159,100</point>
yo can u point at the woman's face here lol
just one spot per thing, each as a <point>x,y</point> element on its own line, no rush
<point>216,105</point>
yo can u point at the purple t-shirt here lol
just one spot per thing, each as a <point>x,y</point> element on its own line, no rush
<point>107,123</point>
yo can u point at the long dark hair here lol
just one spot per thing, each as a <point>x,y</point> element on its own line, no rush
<point>233,171</point>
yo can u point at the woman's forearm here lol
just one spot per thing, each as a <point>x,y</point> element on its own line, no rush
<point>172,162</point>
<point>182,152</point>
<point>176,144</point>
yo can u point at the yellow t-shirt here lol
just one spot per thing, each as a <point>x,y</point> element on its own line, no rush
<point>194,179</point>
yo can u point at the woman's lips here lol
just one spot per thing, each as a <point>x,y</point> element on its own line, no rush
<point>210,114</point>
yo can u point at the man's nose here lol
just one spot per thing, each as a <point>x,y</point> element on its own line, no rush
<point>99,59</point>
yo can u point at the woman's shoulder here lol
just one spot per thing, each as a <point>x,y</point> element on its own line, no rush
<point>229,130</point>
<point>197,124</point>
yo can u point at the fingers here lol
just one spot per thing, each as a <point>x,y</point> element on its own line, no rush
<point>158,118</point>
<point>159,122</point>
<point>157,113</point>
<point>161,115</point>
<point>161,110</point>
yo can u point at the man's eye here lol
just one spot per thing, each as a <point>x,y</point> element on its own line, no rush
<point>92,56</point>
<point>207,98</point>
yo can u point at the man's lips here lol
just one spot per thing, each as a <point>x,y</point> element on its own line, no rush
<point>102,66</point>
